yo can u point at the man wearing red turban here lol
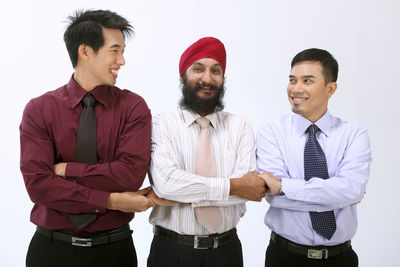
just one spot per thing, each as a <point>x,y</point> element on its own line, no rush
<point>203,158</point>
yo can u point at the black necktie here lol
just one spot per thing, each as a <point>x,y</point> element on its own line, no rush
<point>315,165</point>
<point>86,151</point>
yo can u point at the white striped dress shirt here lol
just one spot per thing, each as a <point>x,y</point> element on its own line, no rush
<point>174,137</point>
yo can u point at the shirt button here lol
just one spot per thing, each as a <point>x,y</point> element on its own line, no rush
<point>319,199</point>
<point>297,195</point>
<point>75,181</point>
<point>96,211</point>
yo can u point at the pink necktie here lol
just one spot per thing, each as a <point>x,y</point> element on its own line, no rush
<point>209,216</point>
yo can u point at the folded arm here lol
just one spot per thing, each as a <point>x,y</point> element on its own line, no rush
<point>78,193</point>
<point>345,188</point>
<point>170,181</point>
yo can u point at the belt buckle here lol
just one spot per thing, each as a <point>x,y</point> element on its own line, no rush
<point>197,240</point>
<point>317,254</point>
<point>81,242</point>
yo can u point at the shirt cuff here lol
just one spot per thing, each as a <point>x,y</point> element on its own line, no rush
<point>218,188</point>
<point>98,199</point>
<point>292,188</point>
<point>75,169</point>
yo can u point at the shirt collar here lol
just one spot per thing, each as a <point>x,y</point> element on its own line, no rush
<point>190,117</point>
<point>76,93</point>
<point>301,124</point>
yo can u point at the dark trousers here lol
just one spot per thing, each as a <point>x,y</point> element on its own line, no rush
<point>277,256</point>
<point>166,253</point>
<point>45,252</point>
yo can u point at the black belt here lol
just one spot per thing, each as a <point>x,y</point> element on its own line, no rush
<point>317,252</point>
<point>196,241</point>
<point>89,241</point>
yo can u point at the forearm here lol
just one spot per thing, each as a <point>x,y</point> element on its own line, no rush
<point>335,192</point>
<point>178,185</point>
<point>283,202</point>
<point>110,176</point>
<point>65,196</point>
<point>231,201</point>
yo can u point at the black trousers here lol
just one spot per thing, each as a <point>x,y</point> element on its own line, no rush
<point>277,256</point>
<point>45,252</point>
<point>166,253</point>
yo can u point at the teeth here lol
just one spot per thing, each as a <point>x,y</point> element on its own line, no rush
<point>114,71</point>
<point>298,100</point>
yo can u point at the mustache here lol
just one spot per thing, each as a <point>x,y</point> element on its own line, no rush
<point>200,86</point>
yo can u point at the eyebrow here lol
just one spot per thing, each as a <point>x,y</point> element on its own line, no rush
<point>304,76</point>
<point>201,64</point>
<point>116,46</point>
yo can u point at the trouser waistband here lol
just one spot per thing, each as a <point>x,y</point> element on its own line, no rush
<point>317,252</point>
<point>91,241</point>
<point>196,241</point>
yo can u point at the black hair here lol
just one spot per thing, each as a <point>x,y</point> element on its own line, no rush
<point>86,27</point>
<point>329,64</point>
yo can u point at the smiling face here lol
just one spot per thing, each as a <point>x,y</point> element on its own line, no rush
<point>206,72</point>
<point>101,67</point>
<point>308,93</point>
<point>203,87</point>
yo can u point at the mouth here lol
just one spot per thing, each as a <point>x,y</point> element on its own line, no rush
<point>114,73</point>
<point>298,100</point>
<point>207,91</point>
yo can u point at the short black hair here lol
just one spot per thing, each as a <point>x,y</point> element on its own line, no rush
<point>330,67</point>
<point>86,27</point>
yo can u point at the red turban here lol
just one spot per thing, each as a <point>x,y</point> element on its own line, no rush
<point>207,47</point>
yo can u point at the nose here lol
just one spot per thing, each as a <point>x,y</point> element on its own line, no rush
<point>121,60</point>
<point>297,87</point>
<point>207,77</point>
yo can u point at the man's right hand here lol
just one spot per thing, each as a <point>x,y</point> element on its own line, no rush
<point>130,201</point>
<point>250,186</point>
<point>160,201</point>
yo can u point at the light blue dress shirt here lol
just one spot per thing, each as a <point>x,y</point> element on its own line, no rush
<point>280,151</point>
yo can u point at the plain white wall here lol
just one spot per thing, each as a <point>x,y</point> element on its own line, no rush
<point>261,37</point>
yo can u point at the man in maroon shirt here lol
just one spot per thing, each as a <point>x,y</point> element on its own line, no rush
<point>107,190</point>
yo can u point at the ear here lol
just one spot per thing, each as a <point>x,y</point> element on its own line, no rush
<point>180,79</point>
<point>331,88</point>
<point>83,52</point>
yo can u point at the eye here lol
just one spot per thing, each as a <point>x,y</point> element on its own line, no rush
<point>292,81</point>
<point>307,81</point>
<point>216,71</point>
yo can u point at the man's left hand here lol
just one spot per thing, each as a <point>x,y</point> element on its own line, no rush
<point>273,183</point>
<point>59,168</point>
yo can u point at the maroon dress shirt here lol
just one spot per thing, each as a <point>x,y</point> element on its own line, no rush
<point>48,136</point>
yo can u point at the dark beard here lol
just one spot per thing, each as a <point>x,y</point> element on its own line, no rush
<point>191,101</point>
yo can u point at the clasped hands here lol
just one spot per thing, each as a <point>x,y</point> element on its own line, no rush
<point>138,201</point>
<point>254,186</point>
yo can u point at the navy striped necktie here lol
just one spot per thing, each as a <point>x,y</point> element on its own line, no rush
<point>324,223</point>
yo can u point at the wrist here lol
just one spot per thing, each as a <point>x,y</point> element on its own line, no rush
<point>112,200</point>
<point>281,193</point>
<point>233,186</point>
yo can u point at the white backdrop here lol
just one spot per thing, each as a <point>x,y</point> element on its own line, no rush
<point>261,37</point>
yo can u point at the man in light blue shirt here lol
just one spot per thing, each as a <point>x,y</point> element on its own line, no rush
<point>283,156</point>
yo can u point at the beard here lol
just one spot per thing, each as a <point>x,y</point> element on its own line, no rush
<point>192,102</point>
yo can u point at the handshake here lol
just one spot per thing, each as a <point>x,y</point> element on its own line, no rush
<point>254,186</point>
